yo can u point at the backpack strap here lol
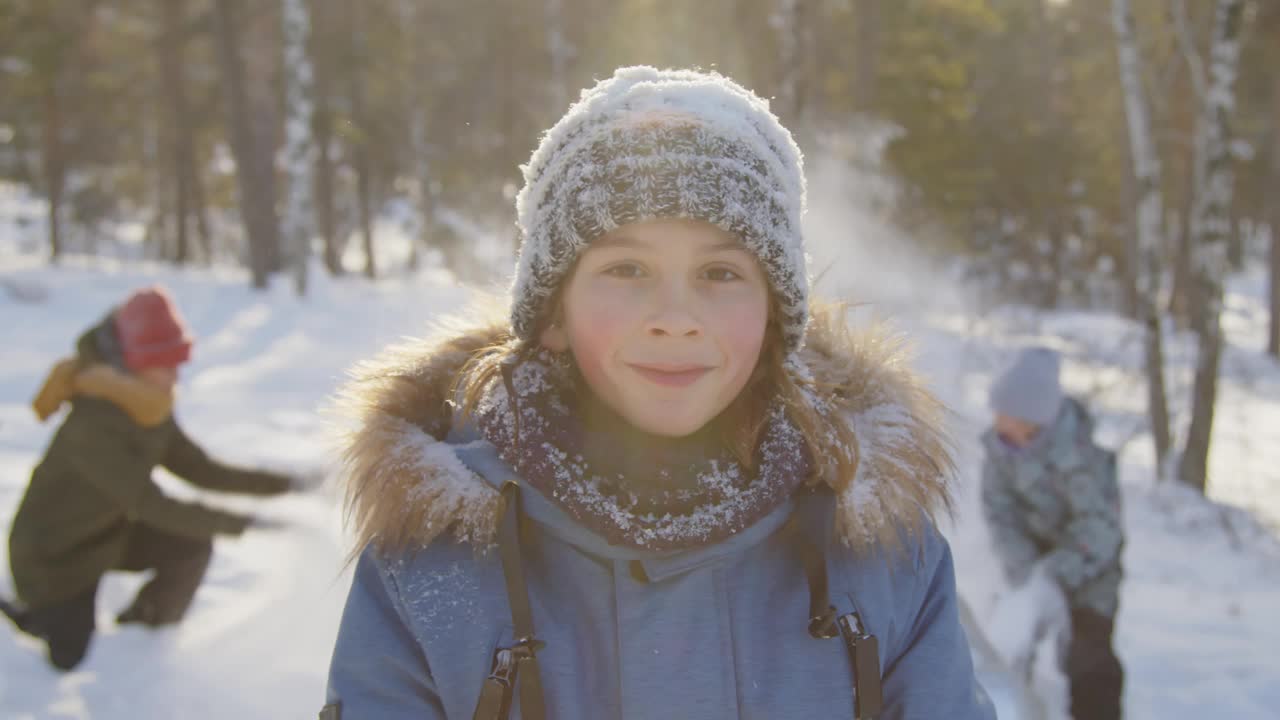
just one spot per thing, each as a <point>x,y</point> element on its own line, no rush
<point>495,694</point>
<point>825,623</point>
<point>822,614</point>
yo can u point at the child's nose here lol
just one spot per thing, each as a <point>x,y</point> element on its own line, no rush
<point>678,324</point>
<point>672,314</point>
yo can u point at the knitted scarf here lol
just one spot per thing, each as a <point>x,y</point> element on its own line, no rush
<point>636,490</point>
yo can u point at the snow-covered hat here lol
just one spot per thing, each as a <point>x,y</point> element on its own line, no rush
<point>1030,389</point>
<point>648,144</point>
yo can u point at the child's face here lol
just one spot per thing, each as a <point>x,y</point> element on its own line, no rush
<point>162,377</point>
<point>665,320</point>
<point>1016,431</point>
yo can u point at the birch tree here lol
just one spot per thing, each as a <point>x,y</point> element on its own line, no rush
<point>1144,261</point>
<point>560,52</point>
<point>1210,230</point>
<point>299,150</point>
<point>786,21</point>
<point>359,138</point>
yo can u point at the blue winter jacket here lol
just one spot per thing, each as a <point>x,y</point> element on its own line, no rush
<point>714,632</point>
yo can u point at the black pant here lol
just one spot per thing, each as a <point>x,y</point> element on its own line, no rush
<point>1093,670</point>
<point>179,563</point>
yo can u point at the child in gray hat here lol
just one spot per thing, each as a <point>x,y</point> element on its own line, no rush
<point>1051,501</point>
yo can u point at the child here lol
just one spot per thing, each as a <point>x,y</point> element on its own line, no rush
<point>92,506</point>
<point>1051,499</point>
<point>705,502</point>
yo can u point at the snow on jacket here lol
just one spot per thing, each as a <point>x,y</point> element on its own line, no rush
<point>719,631</point>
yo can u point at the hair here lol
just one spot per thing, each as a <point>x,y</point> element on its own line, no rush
<point>830,441</point>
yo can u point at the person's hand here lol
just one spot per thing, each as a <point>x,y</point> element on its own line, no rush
<point>308,479</point>
<point>267,482</point>
<point>271,482</point>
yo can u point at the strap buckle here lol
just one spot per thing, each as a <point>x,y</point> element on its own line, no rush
<point>823,627</point>
<point>527,647</point>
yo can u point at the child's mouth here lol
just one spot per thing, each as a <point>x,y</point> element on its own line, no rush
<point>671,375</point>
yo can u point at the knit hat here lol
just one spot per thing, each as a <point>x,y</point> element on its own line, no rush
<point>652,144</point>
<point>151,331</point>
<point>1030,389</point>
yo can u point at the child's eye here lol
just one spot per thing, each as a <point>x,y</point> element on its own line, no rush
<point>721,274</point>
<point>625,271</point>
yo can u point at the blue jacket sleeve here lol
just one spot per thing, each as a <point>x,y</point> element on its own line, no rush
<point>378,669</point>
<point>932,675</point>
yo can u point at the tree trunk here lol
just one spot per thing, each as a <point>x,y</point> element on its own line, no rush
<point>299,150</point>
<point>364,191</point>
<point>360,139</point>
<point>1273,341</point>
<point>788,20</point>
<point>154,151</point>
<point>1194,467</point>
<point>418,17</point>
<point>262,39</point>
<point>54,161</point>
<point>172,82</point>
<point>325,215</point>
<point>1183,108</point>
<point>1210,227</point>
<point>322,22</point>
<point>1050,197</point>
<point>1181,302</point>
<point>1144,262</point>
<point>199,208</point>
<point>1272,211</point>
<point>560,53</point>
<point>257,198</point>
<point>867,53</point>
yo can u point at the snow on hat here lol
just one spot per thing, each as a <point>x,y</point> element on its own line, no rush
<point>1030,389</point>
<point>650,144</point>
<point>151,331</point>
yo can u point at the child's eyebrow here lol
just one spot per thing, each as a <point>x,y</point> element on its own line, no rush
<point>627,241</point>
<point>726,245</point>
<point>623,241</point>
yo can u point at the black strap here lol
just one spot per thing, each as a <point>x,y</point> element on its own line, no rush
<point>532,703</point>
<point>822,614</point>
<point>826,623</point>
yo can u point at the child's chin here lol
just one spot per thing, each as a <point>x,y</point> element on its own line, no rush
<point>665,423</point>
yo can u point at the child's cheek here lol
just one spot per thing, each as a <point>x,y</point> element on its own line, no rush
<point>591,343</point>
<point>742,333</point>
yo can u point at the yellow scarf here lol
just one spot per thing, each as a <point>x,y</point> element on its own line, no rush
<point>146,404</point>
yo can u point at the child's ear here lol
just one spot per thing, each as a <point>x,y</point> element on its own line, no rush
<point>554,337</point>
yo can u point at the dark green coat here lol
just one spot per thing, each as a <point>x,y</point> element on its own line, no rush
<point>95,483</point>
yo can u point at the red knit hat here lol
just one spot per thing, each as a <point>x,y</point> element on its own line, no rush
<point>152,333</point>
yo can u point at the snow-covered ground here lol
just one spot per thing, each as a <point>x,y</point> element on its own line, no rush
<point>1196,631</point>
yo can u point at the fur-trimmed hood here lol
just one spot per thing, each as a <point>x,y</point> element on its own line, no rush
<point>405,486</point>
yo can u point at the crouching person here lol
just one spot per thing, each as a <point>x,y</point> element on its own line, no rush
<point>91,505</point>
<point>1052,502</point>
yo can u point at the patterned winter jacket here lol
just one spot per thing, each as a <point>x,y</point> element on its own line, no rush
<point>1057,502</point>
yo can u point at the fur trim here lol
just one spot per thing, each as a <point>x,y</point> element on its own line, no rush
<point>405,487</point>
